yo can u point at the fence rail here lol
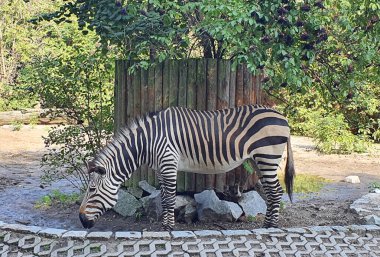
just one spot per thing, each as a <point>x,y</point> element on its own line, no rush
<point>203,84</point>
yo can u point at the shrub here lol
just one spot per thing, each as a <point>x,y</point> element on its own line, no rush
<point>332,135</point>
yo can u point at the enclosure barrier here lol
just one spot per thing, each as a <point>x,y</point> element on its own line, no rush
<point>203,84</point>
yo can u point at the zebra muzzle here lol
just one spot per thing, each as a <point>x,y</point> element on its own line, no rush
<point>86,223</point>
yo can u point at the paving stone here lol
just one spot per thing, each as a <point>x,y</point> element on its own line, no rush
<point>52,232</point>
<point>128,235</point>
<point>183,234</point>
<point>75,234</point>
<point>21,228</point>
<point>296,230</point>
<point>371,227</point>
<point>206,233</point>
<point>357,229</point>
<point>154,234</point>
<point>340,228</point>
<point>320,228</point>
<point>236,232</point>
<point>99,235</point>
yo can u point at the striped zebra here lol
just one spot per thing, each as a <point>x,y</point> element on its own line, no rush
<point>207,142</point>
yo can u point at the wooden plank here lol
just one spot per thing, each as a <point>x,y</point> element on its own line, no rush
<point>223,94</point>
<point>158,95</point>
<point>191,102</point>
<point>246,86</point>
<point>144,110</point>
<point>239,100</point>
<point>182,84</point>
<point>231,174</point>
<point>165,84</point>
<point>239,93</point>
<point>151,106</point>
<point>200,179</point>
<point>173,83</point>
<point>136,83</point>
<point>130,104</point>
<point>211,81</point>
<point>117,95</point>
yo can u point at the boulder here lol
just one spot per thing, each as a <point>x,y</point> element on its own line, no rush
<point>352,179</point>
<point>252,204</point>
<point>187,214</point>
<point>210,208</point>
<point>127,205</point>
<point>181,201</point>
<point>152,205</point>
<point>135,191</point>
<point>368,207</point>
<point>146,187</point>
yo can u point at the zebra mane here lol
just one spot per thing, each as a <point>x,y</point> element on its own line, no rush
<point>122,133</point>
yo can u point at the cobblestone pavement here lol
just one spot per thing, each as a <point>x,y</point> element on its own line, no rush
<point>19,240</point>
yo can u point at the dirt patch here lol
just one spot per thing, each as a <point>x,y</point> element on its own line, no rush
<point>20,187</point>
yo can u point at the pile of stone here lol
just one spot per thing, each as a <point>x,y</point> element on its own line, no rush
<point>205,206</point>
<point>368,207</point>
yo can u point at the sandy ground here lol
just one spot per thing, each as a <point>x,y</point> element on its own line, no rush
<point>21,151</point>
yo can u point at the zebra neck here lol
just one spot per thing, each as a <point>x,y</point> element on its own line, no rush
<point>133,147</point>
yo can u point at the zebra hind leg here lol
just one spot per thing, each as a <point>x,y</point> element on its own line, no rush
<point>273,192</point>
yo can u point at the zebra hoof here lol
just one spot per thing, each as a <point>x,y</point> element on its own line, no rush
<point>167,228</point>
<point>270,225</point>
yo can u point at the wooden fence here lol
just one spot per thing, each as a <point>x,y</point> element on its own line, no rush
<point>203,84</point>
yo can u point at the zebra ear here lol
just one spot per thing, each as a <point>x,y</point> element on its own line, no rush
<point>91,166</point>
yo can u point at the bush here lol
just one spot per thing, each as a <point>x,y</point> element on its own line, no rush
<point>76,84</point>
<point>332,135</point>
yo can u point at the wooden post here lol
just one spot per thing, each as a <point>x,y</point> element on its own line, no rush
<point>200,183</point>
<point>144,110</point>
<point>223,93</point>
<point>191,102</point>
<point>151,104</point>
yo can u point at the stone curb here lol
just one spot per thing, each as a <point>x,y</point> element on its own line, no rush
<point>135,235</point>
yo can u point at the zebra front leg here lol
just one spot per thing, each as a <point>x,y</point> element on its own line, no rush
<point>273,192</point>
<point>168,197</point>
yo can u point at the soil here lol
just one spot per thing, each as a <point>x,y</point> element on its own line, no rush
<point>21,188</point>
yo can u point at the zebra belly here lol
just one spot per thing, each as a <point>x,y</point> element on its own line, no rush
<point>187,165</point>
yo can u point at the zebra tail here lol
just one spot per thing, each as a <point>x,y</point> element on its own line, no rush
<point>289,171</point>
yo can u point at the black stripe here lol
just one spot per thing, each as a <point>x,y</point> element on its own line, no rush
<point>274,140</point>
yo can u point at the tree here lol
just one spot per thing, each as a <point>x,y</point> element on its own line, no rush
<point>330,47</point>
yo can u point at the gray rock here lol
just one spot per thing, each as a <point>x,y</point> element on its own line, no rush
<point>181,201</point>
<point>372,220</point>
<point>352,179</point>
<point>252,204</point>
<point>127,205</point>
<point>188,214</point>
<point>135,191</point>
<point>236,210</point>
<point>210,208</point>
<point>367,205</point>
<point>152,205</point>
<point>146,187</point>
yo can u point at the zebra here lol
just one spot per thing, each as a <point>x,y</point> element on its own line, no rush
<point>207,142</point>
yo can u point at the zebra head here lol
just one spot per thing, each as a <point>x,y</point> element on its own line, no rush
<point>101,194</point>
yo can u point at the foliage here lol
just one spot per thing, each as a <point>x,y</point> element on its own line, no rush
<point>19,42</point>
<point>326,124</point>
<point>56,197</point>
<point>16,126</point>
<point>332,135</point>
<point>374,185</point>
<point>330,48</point>
<point>79,88</point>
